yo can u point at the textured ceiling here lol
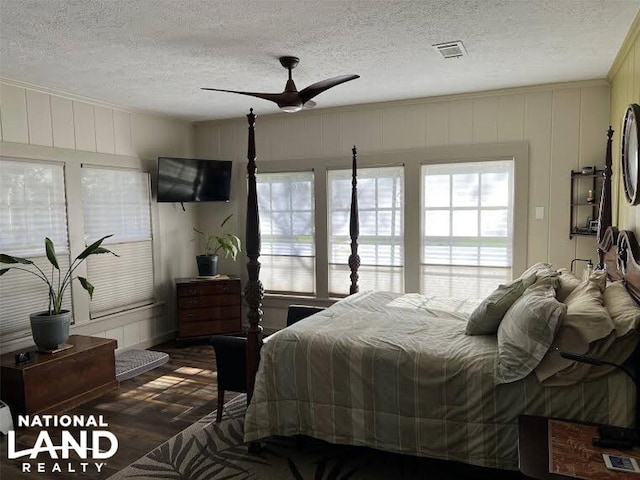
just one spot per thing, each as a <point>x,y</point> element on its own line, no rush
<point>155,55</point>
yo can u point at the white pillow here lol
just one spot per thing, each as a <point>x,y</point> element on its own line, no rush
<point>587,329</point>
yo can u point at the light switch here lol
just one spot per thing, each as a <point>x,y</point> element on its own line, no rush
<point>539,213</point>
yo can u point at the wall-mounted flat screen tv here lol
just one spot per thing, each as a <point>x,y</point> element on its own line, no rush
<point>193,180</point>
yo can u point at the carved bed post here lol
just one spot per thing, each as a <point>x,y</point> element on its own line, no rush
<point>354,226</point>
<point>254,292</point>
<point>604,216</point>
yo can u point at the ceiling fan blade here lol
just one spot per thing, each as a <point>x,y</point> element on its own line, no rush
<point>319,87</point>
<point>274,97</point>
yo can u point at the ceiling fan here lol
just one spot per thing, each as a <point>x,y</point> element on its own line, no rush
<point>291,100</point>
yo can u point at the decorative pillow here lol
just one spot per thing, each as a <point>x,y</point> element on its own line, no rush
<point>587,329</point>
<point>526,332</point>
<point>486,317</point>
<point>567,283</point>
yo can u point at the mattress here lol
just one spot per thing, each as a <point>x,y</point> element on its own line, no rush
<point>396,372</point>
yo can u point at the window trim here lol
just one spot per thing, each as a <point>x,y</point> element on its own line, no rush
<point>412,161</point>
<point>296,293</point>
<point>72,161</point>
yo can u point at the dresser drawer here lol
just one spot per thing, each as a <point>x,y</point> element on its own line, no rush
<point>194,290</point>
<point>208,301</point>
<point>209,313</point>
<point>199,329</point>
<point>208,306</point>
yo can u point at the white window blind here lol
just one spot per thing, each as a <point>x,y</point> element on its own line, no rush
<point>286,202</point>
<point>32,207</point>
<point>380,206</point>
<point>117,201</point>
<point>467,228</point>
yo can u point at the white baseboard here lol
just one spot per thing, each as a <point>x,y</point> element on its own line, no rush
<point>150,342</point>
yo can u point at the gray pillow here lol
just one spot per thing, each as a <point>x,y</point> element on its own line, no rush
<point>526,332</point>
<point>486,318</point>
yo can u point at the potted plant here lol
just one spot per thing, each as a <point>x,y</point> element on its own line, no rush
<point>50,328</point>
<point>211,245</point>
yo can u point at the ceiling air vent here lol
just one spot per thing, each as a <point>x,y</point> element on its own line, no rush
<point>451,49</point>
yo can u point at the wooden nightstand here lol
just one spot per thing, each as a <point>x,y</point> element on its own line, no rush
<point>533,450</point>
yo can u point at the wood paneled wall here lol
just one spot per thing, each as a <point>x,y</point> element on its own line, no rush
<point>36,123</point>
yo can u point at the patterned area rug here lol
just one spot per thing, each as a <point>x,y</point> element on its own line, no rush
<point>207,450</point>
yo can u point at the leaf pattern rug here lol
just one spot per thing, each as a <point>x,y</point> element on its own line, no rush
<point>206,450</point>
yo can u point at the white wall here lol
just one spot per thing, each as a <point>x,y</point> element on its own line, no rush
<point>564,125</point>
<point>40,124</point>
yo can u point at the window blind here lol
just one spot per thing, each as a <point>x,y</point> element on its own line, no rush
<point>286,202</point>
<point>467,243</point>
<point>32,207</point>
<point>381,214</point>
<point>117,201</point>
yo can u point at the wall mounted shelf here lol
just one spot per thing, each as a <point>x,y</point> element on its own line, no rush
<point>584,205</point>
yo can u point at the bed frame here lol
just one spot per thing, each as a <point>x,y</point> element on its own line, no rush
<point>618,251</point>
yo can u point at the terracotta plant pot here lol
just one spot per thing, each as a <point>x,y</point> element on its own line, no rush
<point>50,331</point>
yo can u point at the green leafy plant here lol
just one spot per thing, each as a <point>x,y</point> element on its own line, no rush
<point>227,242</point>
<point>56,293</point>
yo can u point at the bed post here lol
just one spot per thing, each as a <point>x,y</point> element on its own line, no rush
<point>254,292</point>
<point>604,214</point>
<point>354,226</point>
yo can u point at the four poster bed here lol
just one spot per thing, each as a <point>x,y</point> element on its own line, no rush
<point>397,372</point>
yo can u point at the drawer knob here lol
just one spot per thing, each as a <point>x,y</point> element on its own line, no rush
<point>193,291</point>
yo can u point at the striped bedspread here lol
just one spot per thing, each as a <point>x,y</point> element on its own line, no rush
<point>396,372</point>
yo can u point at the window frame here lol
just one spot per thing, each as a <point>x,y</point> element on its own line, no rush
<point>315,246</point>
<point>94,316</point>
<point>72,161</point>
<point>412,161</point>
<point>479,209</point>
<point>63,252</point>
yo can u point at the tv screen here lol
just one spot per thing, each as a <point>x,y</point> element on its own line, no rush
<point>193,180</point>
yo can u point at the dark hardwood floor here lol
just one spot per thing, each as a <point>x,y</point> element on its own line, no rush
<point>143,413</point>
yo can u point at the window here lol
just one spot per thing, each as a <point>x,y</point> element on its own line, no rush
<point>380,210</point>
<point>467,227</point>
<point>286,205</point>
<point>116,201</point>
<point>32,207</point>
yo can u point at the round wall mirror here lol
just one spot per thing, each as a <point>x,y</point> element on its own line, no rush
<point>630,170</point>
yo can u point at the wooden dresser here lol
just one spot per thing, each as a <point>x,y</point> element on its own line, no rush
<point>208,306</point>
<point>56,382</point>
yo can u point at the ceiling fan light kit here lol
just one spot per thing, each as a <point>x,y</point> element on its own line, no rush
<point>290,100</point>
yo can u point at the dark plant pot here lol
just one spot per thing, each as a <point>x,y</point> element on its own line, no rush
<point>207,265</point>
<point>50,331</point>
